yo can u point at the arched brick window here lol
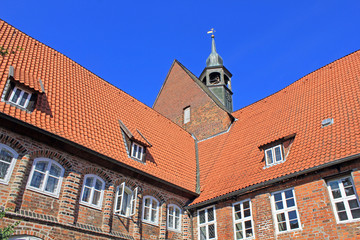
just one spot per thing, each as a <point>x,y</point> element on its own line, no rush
<point>92,191</point>
<point>150,210</point>
<point>7,162</point>
<point>174,217</point>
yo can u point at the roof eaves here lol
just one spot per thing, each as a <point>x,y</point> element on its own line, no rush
<point>272,181</point>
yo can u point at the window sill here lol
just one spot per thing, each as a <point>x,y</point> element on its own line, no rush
<point>5,182</point>
<point>274,164</point>
<point>150,223</point>
<point>290,231</point>
<point>348,221</point>
<point>56,195</point>
<point>90,205</point>
<point>174,230</point>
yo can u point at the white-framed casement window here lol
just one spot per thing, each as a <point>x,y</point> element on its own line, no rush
<point>46,177</point>
<point>207,223</point>
<point>174,217</point>
<point>137,151</point>
<point>125,200</point>
<point>150,210</point>
<point>344,199</point>
<point>243,220</point>
<point>274,155</point>
<point>187,114</point>
<point>92,191</point>
<point>20,97</point>
<point>285,212</point>
<point>7,162</point>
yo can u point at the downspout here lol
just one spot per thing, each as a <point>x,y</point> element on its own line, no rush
<point>197,165</point>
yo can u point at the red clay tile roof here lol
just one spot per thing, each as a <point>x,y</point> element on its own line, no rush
<point>27,79</point>
<point>234,161</point>
<point>83,108</point>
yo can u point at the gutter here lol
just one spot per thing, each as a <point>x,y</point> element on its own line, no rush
<point>273,181</point>
<point>92,152</point>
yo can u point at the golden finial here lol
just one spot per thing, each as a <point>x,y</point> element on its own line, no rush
<point>212,31</point>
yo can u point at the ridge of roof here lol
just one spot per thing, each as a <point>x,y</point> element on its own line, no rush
<point>235,112</point>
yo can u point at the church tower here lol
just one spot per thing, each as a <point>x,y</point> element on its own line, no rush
<point>217,78</point>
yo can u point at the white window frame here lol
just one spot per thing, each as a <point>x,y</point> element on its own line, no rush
<point>187,114</point>
<point>243,219</point>
<point>41,189</point>
<point>285,210</point>
<point>12,164</point>
<point>131,203</point>
<point>207,223</point>
<point>172,214</point>
<point>24,237</point>
<point>272,150</point>
<point>345,199</point>
<point>22,91</point>
<point>134,153</point>
<point>152,202</point>
<point>90,204</point>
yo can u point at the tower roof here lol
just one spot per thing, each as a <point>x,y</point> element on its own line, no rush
<point>214,58</point>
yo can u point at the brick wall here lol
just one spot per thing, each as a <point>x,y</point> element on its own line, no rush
<point>180,91</point>
<point>313,202</point>
<point>64,217</point>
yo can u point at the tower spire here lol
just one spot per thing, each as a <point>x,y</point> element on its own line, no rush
<point>214,58</point>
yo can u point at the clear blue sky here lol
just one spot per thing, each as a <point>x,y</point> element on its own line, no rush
<point>267,45</point>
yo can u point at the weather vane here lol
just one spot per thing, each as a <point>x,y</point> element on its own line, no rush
<point>212,31</point>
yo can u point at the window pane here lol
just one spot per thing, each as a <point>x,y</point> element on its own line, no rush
<point>248,232</point>
<point>202,216</point>
<point>279,205</point>
<point>269,157</point>
<point>336,193</point>
<point>340,206</point>
<point>37,179</point>
<point>237,207</point>
<point>238,215</point>
<point>89,181</point>
<point>346,182</point>
<point>118,203</point>
<point>96,197</point>
<point>239,233</point>
<point>294,224</point>
<point>177,223</point>
<point>210,214</point>
<point>280,217</point>
<point>125,200</point>
<point>3,169</point>
<point>177,212</point>
<point>51,184</point>
<point>203,233</point>
<point>6,156</point>
<point>334,185</point>
<point>246,205</point>
<point>154,205</point>
<point>247,224</point>
<point>277,197</point>
<point>41,166</point>
<point>355,213</point>
<point>282,226</point>
<point>171,221</point>
<point>146,213</point>
<point>55,170</point>
<point>86,194</point>
<point>171,210</point>
<point>16,96</point>
<point>278,154</point>
<point>23,99</point>
<point>353,204</point>
<point>290,202</point>
<point>349,191</point>
<point>153,215</point>
<point>98,185</point>
<point>147,202</point>
<point>211,231</point>
<point>289,194</point>
<point>247,213</point>
<point>292,215</point>
<point>342,216</point>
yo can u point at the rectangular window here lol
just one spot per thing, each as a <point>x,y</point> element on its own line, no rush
<point>274,155</point>
<point>20,97</point>
<point>344,199</point>
<point>207,223</point>
<point>243,221</point>
<point>137,151</point>
<point>125,200</point>
<point>285,211</point>
<point>186,114</point>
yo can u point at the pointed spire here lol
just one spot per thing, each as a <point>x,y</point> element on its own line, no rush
<point>214,58</point>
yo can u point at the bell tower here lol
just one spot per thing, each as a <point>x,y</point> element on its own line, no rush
<point>217,78</point>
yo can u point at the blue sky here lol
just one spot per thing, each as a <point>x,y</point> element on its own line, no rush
<point>267,45</point>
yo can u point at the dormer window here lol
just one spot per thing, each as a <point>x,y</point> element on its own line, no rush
<point>137,151</point>
<point>274,155</point>
<point>20,97</point>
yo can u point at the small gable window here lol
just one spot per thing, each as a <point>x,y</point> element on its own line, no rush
<point>46,177</point>
<point>20,97</point>
<point>274,155</point>
<point>93,191</point>
<point>126,200</point>
<point>186,115</point>
<point>137,151</point>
